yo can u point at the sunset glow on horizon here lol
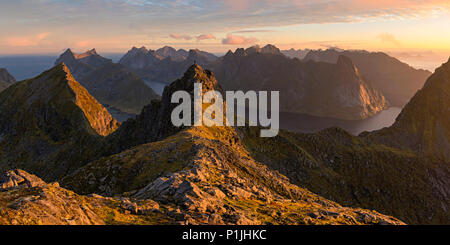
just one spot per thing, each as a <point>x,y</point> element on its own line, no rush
<point>407,27</point>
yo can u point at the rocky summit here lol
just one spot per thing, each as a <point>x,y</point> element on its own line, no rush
<point>197,175</point>
<point>154,123</point>
<point>45,119</point>
<point>5,79</point>
<point>114,86</point>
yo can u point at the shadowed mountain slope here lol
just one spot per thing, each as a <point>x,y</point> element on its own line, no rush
<point>395,79</point>
<point>403,170</point>
<point>424,124</point>
<point>315,88</point>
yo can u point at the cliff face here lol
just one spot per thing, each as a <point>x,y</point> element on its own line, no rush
<point>45,116</point>
<point>319,89</point>
<point>5,79</point>
<point>396,80</point>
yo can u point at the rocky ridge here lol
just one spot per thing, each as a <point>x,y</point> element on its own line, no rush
<point>5,79</point>
<point>112,84</point>
<point>44,119</point>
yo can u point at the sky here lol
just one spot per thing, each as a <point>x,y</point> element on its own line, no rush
<point>410,29</point>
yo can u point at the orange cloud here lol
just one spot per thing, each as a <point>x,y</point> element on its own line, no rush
<point>178,36</point>
<point>238,40</point>
<point>388,38</point>
<point>28,41</point>
<point>205,37</point>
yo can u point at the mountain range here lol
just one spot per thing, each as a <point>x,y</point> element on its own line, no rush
<point>296,53</point>
<point>147,171</point>
<point>163,65</point>
<point>376,82</point>
<point>315,88</point>
<point>199,175</point>
<point>355,84</point>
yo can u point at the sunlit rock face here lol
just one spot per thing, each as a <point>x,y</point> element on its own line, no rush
<point>113,85</point>
<point>47,121</point>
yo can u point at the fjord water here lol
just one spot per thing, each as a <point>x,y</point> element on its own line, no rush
<point>304,123</point>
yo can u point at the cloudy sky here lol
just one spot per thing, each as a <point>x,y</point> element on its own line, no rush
<point>404,27</point>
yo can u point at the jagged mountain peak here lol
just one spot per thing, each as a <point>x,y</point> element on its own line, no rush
<point>82,64</point>
<point>154,122</point>
<point>6,79</point>
<point>68,54</point>
<point>346,64</point>
<point>51,125</point>
<point>270,49</point>
<point>143,48</point>
<point>61,98</point>
<point>167,49</point>
<point>196,74</point>
<point>86,54</point>
<point>344,61</point>
<point>99,118</point>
